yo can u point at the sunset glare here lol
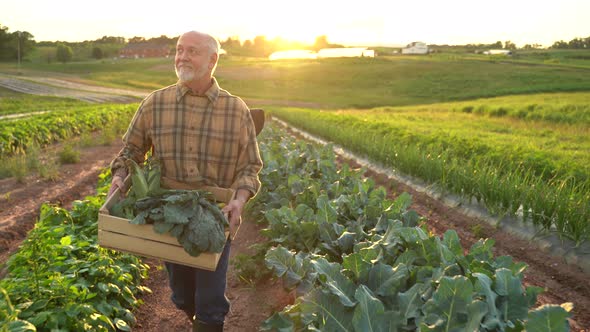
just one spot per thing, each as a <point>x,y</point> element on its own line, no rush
<point>363,23</point>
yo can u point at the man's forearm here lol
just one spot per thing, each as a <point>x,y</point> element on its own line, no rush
<point>121,172</point>
<point>243,195</point>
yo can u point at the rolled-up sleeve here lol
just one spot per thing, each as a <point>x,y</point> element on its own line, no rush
<point>249,162</point>
<point>136,141</point>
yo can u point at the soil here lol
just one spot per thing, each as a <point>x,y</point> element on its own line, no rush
<point>251,304</point>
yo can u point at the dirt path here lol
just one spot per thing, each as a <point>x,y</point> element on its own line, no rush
<point>45,86</point>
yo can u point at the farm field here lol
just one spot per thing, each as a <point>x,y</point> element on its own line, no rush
<point>337,83</point>
<point>247,299</point>
<point>507,128</point>
<point>496,159</point>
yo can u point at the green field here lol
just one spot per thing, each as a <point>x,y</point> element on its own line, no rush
<point>512,133</point>
<point>359,83</point>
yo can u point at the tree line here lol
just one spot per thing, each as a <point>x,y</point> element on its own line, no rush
<point>16,46</point>
<point>576,43</point>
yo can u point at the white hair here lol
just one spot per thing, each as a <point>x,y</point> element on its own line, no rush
<point>212,44</point>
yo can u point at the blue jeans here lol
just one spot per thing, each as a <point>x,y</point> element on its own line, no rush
<point>201,292</point>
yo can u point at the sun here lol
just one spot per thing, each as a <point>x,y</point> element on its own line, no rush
<point>305,37</point>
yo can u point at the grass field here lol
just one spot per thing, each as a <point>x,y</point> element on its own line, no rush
<point>360,82</point>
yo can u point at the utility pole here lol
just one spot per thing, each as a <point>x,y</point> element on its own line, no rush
<point>18,52</point>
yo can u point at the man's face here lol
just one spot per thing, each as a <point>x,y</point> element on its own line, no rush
<point>193,59</point>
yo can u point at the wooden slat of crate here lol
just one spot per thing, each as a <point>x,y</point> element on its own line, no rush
<point>118,234</point>
<point>155,249</point>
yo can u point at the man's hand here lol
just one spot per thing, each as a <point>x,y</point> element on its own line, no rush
<point>118,182</point>
<point>233,210</point>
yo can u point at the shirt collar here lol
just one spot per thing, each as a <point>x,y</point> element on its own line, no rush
<point>212,93</point>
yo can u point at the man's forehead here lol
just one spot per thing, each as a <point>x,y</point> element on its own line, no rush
<point>191,38</point>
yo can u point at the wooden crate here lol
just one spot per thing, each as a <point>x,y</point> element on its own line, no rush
<point>118,234</point>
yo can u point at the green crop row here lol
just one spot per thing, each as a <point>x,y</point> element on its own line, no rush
<point>562,108</point>
<point>61,280</point>
<point>359,261</point>
<point>13,103</point>
<point>539,170</point>
<point>40,130</point>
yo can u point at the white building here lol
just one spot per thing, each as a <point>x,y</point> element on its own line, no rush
<point>498,52</point>
<point>346,52</point>
<point>415,48</point>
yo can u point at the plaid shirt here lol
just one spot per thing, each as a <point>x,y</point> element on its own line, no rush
<point>199,140</point>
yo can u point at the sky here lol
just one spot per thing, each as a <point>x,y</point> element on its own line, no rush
<point>351,23</point>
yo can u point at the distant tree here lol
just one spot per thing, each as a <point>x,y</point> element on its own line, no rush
<point>532,46</point>
<point>577,43</point>
<point>136,40</point>
<point>497,44</point>
<point>231,43</point>
<point>14,44</point>
<point>509,45</point>
<point>320,42</point>
<point>110,40</point>
<point>4,43</point>
<point>97,53</point>
<point>163,39</point>
<point>560,44</point>
<point>63,53</point>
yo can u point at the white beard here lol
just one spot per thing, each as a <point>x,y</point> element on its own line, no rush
<point>188,74</point>
<point>185,74</point>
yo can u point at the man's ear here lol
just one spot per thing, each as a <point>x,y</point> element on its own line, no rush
<point>213,60</point>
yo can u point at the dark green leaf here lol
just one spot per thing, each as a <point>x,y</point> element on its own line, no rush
<point>549,318</point>
<point>369,312</point>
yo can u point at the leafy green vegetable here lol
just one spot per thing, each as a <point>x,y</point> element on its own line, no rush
<point>189,215</point>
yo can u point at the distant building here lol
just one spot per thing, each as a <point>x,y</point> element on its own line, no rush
<point>346,52</point>
<point>415,48</point>
<point>498,52</point>
<point>144,50</point>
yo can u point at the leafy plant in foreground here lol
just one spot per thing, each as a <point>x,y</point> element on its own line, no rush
<point>62,280</point>
<point>365,265</point>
